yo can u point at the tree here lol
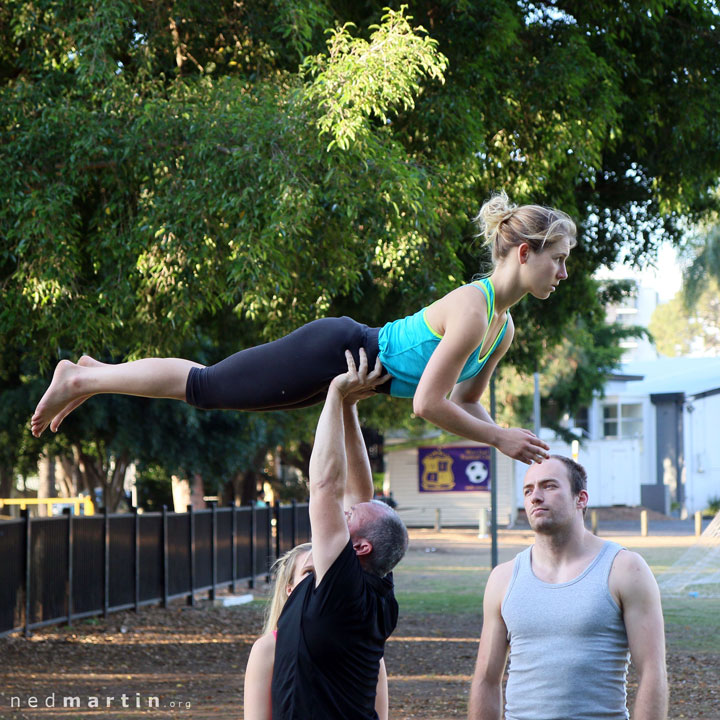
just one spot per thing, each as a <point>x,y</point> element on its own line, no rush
<point>681,330</point>
<point>175,169</point>
<point>702,253</point>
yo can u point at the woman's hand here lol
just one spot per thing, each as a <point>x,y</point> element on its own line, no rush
<point>522,445</point>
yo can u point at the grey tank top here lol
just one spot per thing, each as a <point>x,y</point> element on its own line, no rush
<point>568,646</point>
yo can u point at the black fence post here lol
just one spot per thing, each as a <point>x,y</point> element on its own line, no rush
<point>70,539</point>
<point>293,523</point>
<point>106,561</point>
<point>276,512</point>
<point>191,541</point>
<point>253,559</point>
<point>136,548</point>
<point>28,568</point>
<point>213,550</point>
<point>165,557</point>
<point>233,546</point>
<point>268,545</point>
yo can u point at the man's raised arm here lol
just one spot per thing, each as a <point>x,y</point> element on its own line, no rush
<point>329,464</point>
<point>359,487</point>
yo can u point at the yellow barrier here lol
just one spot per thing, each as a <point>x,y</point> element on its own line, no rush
<point>77,502</point>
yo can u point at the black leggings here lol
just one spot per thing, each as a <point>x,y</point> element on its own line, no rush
<point>292,372</point>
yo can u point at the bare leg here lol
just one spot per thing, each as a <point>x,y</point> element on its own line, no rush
<point>73,384</point>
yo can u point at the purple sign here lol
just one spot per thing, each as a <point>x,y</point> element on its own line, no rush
<point>454,469</point>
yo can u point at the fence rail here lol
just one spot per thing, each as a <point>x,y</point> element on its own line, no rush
<point>59,569</point>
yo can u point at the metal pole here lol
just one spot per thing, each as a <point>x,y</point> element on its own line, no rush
<point>213,554</point>
<point>69,512</point>
<point>165,557</point>
<point>106,560</point>
<point>536,404</point>
<point>191,553</point>
<point>276,511</point>
<point>253,563</point>
<point>233,545</point>
<point>136,559</point>
<point>493,486</point>
<point>28,567</point>
<point>293,522</point>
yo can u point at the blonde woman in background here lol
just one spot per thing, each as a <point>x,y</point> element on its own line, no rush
<point>442,356</point>
<point>289,571</point>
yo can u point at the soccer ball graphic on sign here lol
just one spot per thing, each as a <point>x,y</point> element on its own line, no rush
<point>476,472</point>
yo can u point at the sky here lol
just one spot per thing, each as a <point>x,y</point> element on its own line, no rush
<point>665,278</point>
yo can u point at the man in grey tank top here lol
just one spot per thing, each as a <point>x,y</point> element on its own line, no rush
<point>572,609</point>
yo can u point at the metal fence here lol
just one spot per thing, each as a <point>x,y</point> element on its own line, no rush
<point>60,569</point>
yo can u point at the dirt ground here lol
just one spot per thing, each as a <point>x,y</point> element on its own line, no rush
<point>191,661</point>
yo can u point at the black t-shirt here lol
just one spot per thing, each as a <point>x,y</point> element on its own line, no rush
<point>330,640</point>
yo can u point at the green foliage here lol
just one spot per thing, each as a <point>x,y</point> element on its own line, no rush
<point>145,204</point>
<point>190,178</point>
<point>713,506</point>
<point>359,80</point>
<point>681,330</point>
<point>154,489</point>
<point>702,250</point>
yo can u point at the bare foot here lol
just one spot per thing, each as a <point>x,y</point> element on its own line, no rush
<point>60,394</point>
<point>84,361</point>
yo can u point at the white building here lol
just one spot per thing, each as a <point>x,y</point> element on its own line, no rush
<point>636,309</point>
<point>651,439</point>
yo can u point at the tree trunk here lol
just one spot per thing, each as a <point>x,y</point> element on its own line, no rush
<point>46,488</point>
<point>114,486</point>
<point>182,497</point>
<point>66,475</point>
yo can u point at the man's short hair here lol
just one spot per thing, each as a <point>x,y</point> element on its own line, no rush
<point>388,536</point>
<point>576,474</point>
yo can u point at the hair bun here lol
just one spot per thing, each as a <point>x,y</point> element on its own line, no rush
<point>495,211</point>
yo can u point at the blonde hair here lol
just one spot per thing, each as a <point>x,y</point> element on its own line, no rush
<point>283,570</point>
<point>505,225</point>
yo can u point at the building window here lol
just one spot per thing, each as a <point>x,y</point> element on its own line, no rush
<point>622,420</point>
<point>581,420</point>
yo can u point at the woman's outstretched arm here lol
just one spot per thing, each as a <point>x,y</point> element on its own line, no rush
<point>462,413</point>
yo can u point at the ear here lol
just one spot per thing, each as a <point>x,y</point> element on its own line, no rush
<point>362,546</point>
<point>523,253</point>
<point>288,589</point>
<point>582,500</point>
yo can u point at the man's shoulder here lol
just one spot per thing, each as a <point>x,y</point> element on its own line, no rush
<point>503,570</point>
<point>630,576</point>
<point>628,565</point>
<point>499,581</point>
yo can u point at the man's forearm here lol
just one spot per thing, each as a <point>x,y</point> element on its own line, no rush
<point>485,701</point>
<point>328,463</point>
<point>359,486</point>
<point>651,701</point>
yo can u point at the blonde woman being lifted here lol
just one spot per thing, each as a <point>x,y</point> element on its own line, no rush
<point>442,356</point>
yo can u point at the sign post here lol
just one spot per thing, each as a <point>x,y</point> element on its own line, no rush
<point>493,486</point>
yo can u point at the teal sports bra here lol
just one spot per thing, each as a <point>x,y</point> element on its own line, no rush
<point>407,344</point>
